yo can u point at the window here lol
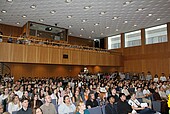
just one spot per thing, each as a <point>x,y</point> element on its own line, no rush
<point>133,38</point>
<point>156,34</point>
<point>114,42</point>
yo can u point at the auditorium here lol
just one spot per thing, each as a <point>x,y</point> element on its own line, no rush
<point>84,57</point>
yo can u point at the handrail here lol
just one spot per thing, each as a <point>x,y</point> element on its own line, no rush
<point>35,40</point>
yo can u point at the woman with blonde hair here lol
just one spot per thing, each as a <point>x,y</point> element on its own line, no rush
<point>15,105</point>
<point>81,108</point>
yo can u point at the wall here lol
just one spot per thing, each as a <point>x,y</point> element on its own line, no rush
<point>10,30</point>
<point>80,41</point>
<point>44,70</point>
<point>144,58</point>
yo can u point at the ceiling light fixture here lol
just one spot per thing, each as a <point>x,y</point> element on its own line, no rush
<point>92,31</point>
<point>33,6</point>
<point>68,1</point>
<point>70,26</point>
<point>9,0</point>
<point>102,13</point>
<point>82,29</point>
<point>69,16</point>
<point>96,24</point>
<point>80,35</point>
<point>150,14</point>
<point>52,11</point>
<point>134,25</point>
<point>140,9</point>
<point>116,17</point>
<point>24,16</point>
<point>84,20</point>
<point>158,19</point>
<point>87,7</point>
<point>101,33</point>
<point>117,29</point>
<point>125,22</point>
<point>106,27</point>
<point>41,20</point>
<point>3,11</point>
<point>127,3</point>
<point>0,19</point>
<point>89,36</point>
<point>18,23</point>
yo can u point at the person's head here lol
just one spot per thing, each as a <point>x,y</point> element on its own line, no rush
<point>26,93</point>
<point>122,97</point>
<point>47,99</point>
<point>24,103</point>
<point>15,98</point>
<point>91,96</point>
<point>111,99</point>
<point>133,96</point>
<point>38,111</point>
<point>6,91</point>
<point>80,106</point>
<point>35,97</point>
<point>66,99</point>
<point>1,108</point>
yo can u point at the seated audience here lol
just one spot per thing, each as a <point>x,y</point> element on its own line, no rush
<point>122,105</point>
<point>91,102</point>
<point>35,103</point>
<point>38,111</point>
<point>48,107</point>
<point>137,107</point>
<point>115,94</point>
<point>25,109</point>
<point>162,93</point>
<point>81,108</point>
<point>66,106</point>
<point>111,108</point>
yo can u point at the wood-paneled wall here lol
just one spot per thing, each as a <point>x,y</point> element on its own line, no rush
<point>18,53</point>
<point>10,30</point>
<point>152,57</point>
<point>19,70</point>
<point>80,41</point>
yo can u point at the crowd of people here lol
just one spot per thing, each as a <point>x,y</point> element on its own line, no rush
<point>117,93</point>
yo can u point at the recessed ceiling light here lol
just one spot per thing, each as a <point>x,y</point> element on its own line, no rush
<point>69,16</point>
<point>89,36</point>
<point>70,26</point>
<point>140,9</point>
<point>92,31</point>
<point>87,7</point>
<point>80,35</point>
<point>41,20</point>
<point>33,6</point>
<point>0,19</point>
<point>101,33</point>
<point>52,11</point>
<point>96,24</point>
<point>9,0</point>
<point>127,3</point>
<point>106,27</point>
<point>18,23</point>
<point>84,20</point>
<point>3,11</point>
<point>82,29</point>
<point>24,16</point>
<point>68,1</point>
<point>125,21</point>
<point>70,33</point>
<point>158,19</point>
<point>116,17</point>
<point>102,13</point>
<point>117,29</point>
<point>134,25</point>
<point>150,14</point>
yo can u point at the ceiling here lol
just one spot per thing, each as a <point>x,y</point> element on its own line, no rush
<point>128,15</point>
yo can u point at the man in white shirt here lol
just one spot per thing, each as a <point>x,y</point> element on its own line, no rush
<point>67,106</point>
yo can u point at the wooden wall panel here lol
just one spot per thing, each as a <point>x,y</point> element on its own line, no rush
<point>10,30</point>
<point>5,51</point>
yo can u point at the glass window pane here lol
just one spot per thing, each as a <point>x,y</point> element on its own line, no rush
<point>156,34</point>
<point>114,42</point>
<point>133,38</point>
